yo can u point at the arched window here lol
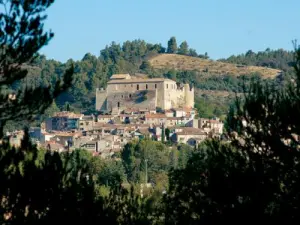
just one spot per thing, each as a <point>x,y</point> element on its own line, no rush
<point>118,104</point>
<point>146,86</point>
<point>137,87</point>
<point>155,86</point>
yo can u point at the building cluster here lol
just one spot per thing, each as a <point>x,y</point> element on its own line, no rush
<point>121,122</point>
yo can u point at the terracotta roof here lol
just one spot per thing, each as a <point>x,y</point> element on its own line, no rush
<point>148,116</point>
<point>68,114</point>
<point>98,124</point>
<point>105,116</point>
<point>127,115</point>
<point>191,131</point>
<point>65,134</point>
<point>176,118</point>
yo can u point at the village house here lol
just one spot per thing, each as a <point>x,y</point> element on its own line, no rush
<point>86,123</point>
<point>63,121</point>
<point>155,119</point>
<point>105,118</point>
<point>214,126</point>
<point>189,135</point>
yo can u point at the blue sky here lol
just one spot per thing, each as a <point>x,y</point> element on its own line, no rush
<point>219,27</point>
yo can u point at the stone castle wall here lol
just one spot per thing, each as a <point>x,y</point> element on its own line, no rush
<point>101,96</point>
<point>163,93</point>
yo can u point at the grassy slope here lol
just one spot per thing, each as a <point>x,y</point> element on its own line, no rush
<point>181,62</point>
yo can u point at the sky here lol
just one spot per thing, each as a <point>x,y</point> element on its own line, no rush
<point>219,27</point>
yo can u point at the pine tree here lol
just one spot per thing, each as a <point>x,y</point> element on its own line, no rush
<point>183,48</point>
<point>172,46</point>
<point>163,134</point>
<point>21,37</point>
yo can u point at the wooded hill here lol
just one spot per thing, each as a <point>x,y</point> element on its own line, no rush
<point>179,63</point>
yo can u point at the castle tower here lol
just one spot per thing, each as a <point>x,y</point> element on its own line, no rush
<point>101,103</point>
<point>189,96</point>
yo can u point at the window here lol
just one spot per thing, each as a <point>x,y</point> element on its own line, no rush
<point>146,86</point>
<point>155,86</point>
<point>167,86</point>
<point>118,104</point>
<point>137,87</point>
<point>122,96</point>
<point>129,95</point>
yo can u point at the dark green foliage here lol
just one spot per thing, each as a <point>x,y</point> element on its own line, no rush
<point>112,173</point>
<point>205,56</point>
<point>208,106</point>
<point>193,52</point>
<point>255,179</point>
<point>163,134</point>
<point>172,46</point>
<point>183,48</point>
<point>146,66</point>
<point>208,187</point>
<point>134,155</point>
<point>278,59</point>
<point>39,187</point>
<point>167,134</point>
<point>21,36</point>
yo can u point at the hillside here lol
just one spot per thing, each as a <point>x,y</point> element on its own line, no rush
<point>188,63</point>
<point>214,87</point>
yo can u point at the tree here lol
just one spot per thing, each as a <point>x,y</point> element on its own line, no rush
<point>146,66</point>
<point>193,52</point>
<point>172,46</point>
<point>183,48</point>
<point>134,155</point>
<point>167,133</point>
<point>163,134</point>
<point>112,174</point>
<point>256,176</point>
<point>67,106</point>
<point>207,189</point>
<point>21,37</point>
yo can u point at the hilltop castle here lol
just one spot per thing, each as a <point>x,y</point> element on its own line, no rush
<point>124,92</point>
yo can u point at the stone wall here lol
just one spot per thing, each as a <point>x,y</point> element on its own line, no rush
<point>163,93</point>
<point>101,103</point>
<point>145,99</point>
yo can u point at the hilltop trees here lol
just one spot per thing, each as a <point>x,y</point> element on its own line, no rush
<point>183,48</point>
<point>279,59</point>
<point>172,46</point>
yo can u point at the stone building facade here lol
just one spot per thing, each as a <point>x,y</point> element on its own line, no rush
<point>124,91</point>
